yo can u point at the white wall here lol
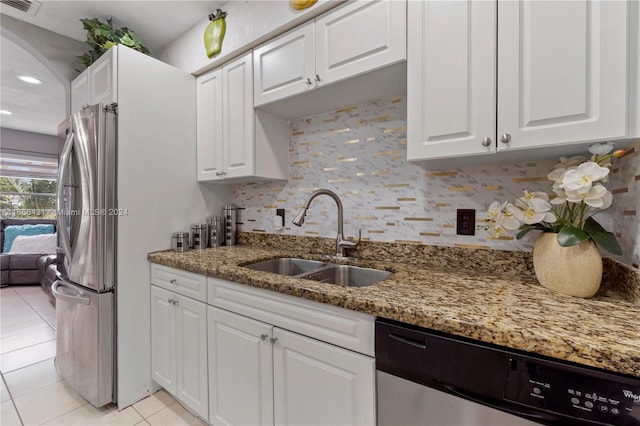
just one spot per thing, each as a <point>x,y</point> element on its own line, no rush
<point>249,23</point>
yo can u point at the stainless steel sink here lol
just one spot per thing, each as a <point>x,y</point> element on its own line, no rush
<point>287,266</point>
<point>326,272</point>
<point>348,276</point>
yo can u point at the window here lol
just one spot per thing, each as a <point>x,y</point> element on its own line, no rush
<point>27,187</point>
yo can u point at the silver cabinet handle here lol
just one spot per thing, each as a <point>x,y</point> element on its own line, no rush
<point>486,141</point>
<point>317,78</point>
<point>273,340</point>
<point>308,82</point>
<point>263,337</point>
<point>505,138</point>
<point>173,281</point>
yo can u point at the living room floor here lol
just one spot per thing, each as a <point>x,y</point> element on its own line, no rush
<point>32,392</point>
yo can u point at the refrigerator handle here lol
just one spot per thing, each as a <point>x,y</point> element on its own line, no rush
<point>63,232</point>
<point>79,296</point>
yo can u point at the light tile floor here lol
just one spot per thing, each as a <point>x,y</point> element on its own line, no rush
<point>31,390</point>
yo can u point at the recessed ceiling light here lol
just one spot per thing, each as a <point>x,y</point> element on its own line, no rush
<point>28,79</point>
<point>5,112</point>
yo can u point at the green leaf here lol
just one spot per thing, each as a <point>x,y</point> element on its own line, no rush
<point>571,236</point>
<point>604,239</point>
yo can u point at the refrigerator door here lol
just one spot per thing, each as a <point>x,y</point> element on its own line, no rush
<point>84,347</point>
<point>86,198</point>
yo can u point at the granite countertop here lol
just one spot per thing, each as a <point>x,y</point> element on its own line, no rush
<point>504,309</point>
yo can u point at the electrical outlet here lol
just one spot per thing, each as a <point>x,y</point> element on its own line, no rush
<point>466,222</point>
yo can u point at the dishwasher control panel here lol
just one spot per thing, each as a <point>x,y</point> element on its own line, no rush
<point>558,389</point>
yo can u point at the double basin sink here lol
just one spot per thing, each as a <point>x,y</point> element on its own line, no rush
<point>326,272</point>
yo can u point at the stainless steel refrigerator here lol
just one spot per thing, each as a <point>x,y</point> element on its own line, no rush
<point>87,220</point>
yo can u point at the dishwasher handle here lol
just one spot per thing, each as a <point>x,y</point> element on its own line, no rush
<point>521,411</point>
<point>418,343</point>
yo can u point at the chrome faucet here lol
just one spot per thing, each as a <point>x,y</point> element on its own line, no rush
<point>341,242</point>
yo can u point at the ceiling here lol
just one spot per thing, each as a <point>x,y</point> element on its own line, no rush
<point>39,108</point>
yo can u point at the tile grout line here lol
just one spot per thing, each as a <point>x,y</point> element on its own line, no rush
<point>34,309</point>
<point>15,407</point>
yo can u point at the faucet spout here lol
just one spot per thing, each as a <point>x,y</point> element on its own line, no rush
<point>341,242</point>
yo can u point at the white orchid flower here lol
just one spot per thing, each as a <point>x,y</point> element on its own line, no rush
<point>536,194</point>
<point>557,174</point>
<point>597,197</point>
<point>561,195</point>
<point>495,210</point>
<point>498,231</point>
<point>538,210</point>
<point>601,148</point>
<point>511,218</point>
<point>607,200</point>
<point>580,180</point>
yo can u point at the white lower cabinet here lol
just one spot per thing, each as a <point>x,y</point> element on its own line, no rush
<point>260,374</point>
<point>179,348</point>
<point>321,384</point>
<point>240,369</point>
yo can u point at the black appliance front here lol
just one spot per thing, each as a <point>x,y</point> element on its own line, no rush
<point>540,389</point>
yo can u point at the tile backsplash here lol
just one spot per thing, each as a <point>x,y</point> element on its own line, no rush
<point>359,152</point>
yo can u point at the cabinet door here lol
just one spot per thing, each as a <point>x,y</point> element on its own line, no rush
<point>209,139</point>
<point>562,71</point>
<point>451,82</point>
<point>238,117</point>
<point>360,37</point>
<point>102,79</point>
<point>80,91</point>
<point>321,384</point>
<point>285,66</point>
<point>240,370</point>
<point>163,338</point>
<point>191,348</point>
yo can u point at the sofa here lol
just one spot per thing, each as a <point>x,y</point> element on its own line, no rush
<point>23,269</point>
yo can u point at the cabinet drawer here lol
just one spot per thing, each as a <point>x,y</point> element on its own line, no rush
<point>181,282</point>
<point>338,326</point>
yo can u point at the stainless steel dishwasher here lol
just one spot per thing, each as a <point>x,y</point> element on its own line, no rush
<point>431,378</point>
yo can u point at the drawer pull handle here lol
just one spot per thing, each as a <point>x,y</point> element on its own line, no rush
<point>417,343</point>
<point>273,340</point>
<point>263,337</point>
<point>173,281</point>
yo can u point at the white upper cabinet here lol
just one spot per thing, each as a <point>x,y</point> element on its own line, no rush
<point>562,72</point>
<point>209,126</point>
<point>357,38</point>
<point>285,66</point>
<point>231,135</point>
<point>97,84</point>
<point>451,82</point>
<point>544,74</point>
<point>237,117</point>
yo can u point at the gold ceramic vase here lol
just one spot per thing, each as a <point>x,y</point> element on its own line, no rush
<point>575,271</point>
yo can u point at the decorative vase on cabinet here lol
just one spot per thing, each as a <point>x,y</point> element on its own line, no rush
<point>575,271</point>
